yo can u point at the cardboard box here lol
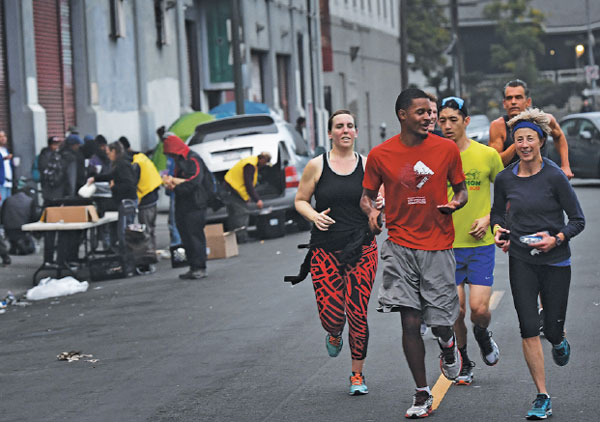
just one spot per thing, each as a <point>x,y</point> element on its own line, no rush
<point>70,214</point>
<point>219,244</point>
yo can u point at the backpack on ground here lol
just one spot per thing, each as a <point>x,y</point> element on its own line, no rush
<point>52,174</point>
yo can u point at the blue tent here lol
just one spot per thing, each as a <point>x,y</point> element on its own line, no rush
<point>228,109</point>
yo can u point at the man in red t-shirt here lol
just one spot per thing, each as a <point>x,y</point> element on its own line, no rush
<point>418,278</point>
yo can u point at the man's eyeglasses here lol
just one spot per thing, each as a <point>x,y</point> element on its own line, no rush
<point>459,102</point>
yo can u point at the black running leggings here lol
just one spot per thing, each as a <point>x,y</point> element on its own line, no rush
<point>552,284</point>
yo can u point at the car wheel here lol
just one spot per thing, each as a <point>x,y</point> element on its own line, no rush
<point>301,223</point>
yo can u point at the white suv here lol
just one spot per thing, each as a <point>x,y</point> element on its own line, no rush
<point>222,143</point>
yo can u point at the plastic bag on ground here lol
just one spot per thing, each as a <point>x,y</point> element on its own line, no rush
<point>52,287</point>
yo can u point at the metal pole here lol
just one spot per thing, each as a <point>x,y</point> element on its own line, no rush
<point>591,43</point>
<point>456,49</point>
<point>237,58</point>
<point>403,45</point>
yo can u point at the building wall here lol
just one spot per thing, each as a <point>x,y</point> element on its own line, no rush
<point>129,85</point>
<point>366,65</point>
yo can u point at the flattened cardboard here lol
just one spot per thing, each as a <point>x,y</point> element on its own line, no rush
<point>219,244</point>
<point>70,214</point>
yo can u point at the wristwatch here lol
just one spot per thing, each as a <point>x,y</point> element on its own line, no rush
<point>558,240</point>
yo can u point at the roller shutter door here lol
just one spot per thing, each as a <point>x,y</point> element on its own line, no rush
<point>54,63</point>
<point>4,108</point>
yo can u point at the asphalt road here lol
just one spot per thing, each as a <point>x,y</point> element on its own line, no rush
<point>242,345</point>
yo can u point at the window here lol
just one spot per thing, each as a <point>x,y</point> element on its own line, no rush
<point>587,126</point>
<point>117,19</point>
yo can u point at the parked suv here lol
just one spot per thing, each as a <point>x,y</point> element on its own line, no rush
<point>222,143</point>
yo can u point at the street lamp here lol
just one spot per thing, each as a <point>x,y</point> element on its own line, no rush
<point>579,50</point>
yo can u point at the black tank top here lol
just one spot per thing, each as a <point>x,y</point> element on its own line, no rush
<point>510,140</point>
<point>342,194</point>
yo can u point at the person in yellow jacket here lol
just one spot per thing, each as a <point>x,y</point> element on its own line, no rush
<point>240,181</point>
<point>147,193</point>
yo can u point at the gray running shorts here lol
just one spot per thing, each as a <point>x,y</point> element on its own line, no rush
<point>419,279</point>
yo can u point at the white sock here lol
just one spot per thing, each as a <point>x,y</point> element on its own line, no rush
<point>426,388</point>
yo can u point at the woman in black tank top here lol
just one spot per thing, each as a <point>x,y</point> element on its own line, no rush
<point>343,252</point>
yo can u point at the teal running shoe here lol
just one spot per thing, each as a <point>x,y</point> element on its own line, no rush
<point>561,352</point>
<point>542,408</point>
<point>334,344</point>
<point>357,385</point>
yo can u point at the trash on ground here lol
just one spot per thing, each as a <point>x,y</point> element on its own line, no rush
<point>74,355</point>
<point>52,287</point>
<point>163,254</point>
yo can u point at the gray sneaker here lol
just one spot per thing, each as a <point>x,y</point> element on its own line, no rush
<point>450,360</point>
<point>194,275</point>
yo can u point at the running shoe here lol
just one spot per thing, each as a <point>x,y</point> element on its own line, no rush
<point>466,373</point>
<point>334,344</point>
<point>561,352</point>
<point>450,360</point>
<point>490,354</point>
<point>542,408</point>
<point>421,407</point>
<point>357,385</point>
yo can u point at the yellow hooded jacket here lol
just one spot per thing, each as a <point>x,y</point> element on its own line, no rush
<point>149,177</point>
<point>235,176</point>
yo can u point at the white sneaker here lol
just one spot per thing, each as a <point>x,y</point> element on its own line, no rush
<point>450,360</point>
<point>421,407</point>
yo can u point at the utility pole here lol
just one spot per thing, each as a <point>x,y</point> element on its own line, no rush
<point>237,57</point>
<point>456,51</point>
<point>403,45</point>
<point>591,42</point>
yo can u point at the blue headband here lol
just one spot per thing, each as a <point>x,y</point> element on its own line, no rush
<point>529,125</point>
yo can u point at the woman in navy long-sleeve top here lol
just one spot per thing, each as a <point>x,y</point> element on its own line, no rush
<point>531,198</point>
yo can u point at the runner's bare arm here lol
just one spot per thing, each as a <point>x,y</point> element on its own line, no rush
<point>306,189</point>
<point>497,138</point>
<point>458,200</point>
<point>366,204</point>
<point>561,146</point>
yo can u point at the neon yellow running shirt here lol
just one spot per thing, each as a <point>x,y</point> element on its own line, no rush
<point>480,164</point>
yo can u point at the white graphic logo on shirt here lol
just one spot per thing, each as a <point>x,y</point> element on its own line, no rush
<point>414,178</point>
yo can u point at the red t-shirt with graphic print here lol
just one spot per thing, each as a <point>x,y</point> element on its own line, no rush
<point>415,181</point>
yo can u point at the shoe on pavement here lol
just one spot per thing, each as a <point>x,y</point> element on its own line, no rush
<point>561,352</point>
<point>450,360</point>
<point>490,354</point>
<point>194,275</point>
<point>421,407</point>
<point>541,409</point>
<point>6,260</point>
<point>334,344</point>
<point>465,377</point>
<point>145,269</point>
<point>357,385</point>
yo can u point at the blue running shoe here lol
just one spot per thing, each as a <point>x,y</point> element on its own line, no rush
<point>561,352</point>
<point>542,408</point>
<point>357,385</point>
<point>334,344</point>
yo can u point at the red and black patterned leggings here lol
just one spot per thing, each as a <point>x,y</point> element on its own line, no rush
<point>338,296</point>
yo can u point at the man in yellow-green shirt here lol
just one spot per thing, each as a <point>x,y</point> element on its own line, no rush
<point>240,181</point>
<point>473,243</point>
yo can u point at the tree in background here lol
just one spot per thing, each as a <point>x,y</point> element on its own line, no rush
<point>519,32</point>
<point>428,37</point>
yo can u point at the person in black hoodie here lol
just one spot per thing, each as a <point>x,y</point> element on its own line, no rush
<point>74,166</point>
<point>123,178</point>
<point>190,203</point>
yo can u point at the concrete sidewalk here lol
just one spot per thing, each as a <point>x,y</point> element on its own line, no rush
<point>18,277</point>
